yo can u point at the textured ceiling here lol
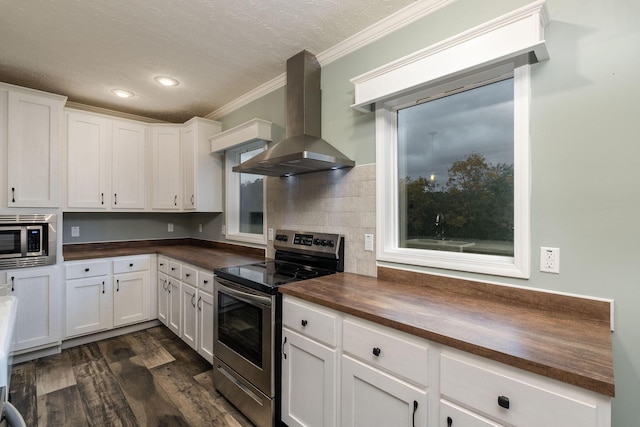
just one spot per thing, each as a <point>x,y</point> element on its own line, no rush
<point>218,49</point>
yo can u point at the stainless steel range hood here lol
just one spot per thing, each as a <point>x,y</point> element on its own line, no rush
<point>303,150</point>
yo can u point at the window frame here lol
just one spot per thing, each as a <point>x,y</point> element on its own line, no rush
<point>387,217</point>
<point>232,195</point>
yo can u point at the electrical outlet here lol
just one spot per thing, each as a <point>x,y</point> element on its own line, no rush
<point>368,242</point>
<point>550,260</point>
<point>170,227</point>
<point>75,231</point>
<point>200,228</point>
<point>270,234</point>
<point>223,230</point>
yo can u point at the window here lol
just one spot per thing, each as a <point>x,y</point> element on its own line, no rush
<point>453,163</point>
<point>245,197</point>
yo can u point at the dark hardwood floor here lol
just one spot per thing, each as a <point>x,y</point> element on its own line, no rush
<point>146,378</point>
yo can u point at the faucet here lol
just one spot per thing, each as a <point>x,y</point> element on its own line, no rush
<point>440,225</point>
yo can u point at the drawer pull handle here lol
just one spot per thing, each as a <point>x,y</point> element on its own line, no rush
<point>376,351</point>
<point>103,286</point>
<point>415,408</point>
<point>86,270</point>
<point>199,305</point>
<point>13,194</point>
<point>449,421</point>
<point>503,402</point>
<point>304,323</point>
<point>13,279</point>
<point>283,343</point>
<point>161,264</point>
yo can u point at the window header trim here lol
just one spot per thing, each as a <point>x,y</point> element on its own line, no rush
<point>518,34</point>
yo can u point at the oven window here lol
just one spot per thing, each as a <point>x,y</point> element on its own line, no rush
<point>240,327</point>
<point>9,242</point>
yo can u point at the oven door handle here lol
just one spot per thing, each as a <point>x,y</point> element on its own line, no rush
<point>247,297</point>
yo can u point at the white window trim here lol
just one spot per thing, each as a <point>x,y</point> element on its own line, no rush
<point>509,40</point>
<point>387,189</point>
<point>232,187</point>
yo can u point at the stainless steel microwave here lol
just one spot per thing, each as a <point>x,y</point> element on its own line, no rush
<point>27,240</point>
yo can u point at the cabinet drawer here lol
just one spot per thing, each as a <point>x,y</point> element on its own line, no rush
<point>130,264</point>
<point>205,281</point>
<point>388,349</point>
<point>82,269</point>
<point>309,320</point>
<point>175,270</point>
<point>453,415</point>
<point>190,275</point>
<point>483,386</point>
<point>163,265</point>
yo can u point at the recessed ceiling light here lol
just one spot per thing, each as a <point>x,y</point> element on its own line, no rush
<point>166,81</point>
<point>123,93</point>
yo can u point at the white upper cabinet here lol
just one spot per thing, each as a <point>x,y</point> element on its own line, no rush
<point>88,160</point>
<point>105,162</point>
<point>201,171</point>
<point>33,147</point>
<point>166,182</point>
<point>128,165</point>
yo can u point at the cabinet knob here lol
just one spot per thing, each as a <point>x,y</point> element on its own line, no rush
<point>503,402</point>
<point>86,270</point>
<point>304,322</point>
<point>131,265</point>
<point>205,281</point>
<point>376,351</point>
<point>187,274</point>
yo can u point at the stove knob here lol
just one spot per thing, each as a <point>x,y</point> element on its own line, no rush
<point>331,243</point>
<point>284,238</point>
<point>324,242</point>
<point>316,242</point>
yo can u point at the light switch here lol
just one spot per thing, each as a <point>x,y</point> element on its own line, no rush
<point>75,231</point>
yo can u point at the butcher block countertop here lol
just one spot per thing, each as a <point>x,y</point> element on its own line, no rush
<point>560,337</point>
<point>206,255</point>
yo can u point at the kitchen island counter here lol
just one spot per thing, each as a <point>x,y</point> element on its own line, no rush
<point>206,255</point>
<point>561,337</point>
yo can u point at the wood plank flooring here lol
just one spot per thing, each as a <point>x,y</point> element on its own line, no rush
<point>146,378</point>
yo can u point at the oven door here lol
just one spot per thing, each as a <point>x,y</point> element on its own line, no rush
<point>243,335</point>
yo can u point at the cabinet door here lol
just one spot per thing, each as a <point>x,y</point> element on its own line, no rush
<point>163,299</point>
<point>38,307</point>
<point>174,305</point>
<point>309,376</point>
<point>128,166</point>
<point>166,168</point>
<point>130,298</point>
<point>88,162</point>
<point>371,397</point>
<point>87,309</point>
<point>205,326</point>
<point>188,142</point>
<point>33,150</point>
<point>189,315</point>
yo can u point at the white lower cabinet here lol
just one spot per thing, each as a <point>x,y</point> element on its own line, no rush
<point>379,376</point>
<point>509,396</point>
<point>371,397</point>
<point>37,320</point>
<point>309,365</point>
<point>189,315</point>
<point>106,293</point>
<point>185,304</point>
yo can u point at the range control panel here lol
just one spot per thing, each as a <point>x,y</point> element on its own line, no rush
<point>303,242</point>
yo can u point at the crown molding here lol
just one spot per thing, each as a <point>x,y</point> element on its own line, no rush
<point>388,25</point>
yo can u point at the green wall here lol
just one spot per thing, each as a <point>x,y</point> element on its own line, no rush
<point>585,196</point>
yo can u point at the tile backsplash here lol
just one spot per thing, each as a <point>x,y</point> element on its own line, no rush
<point>339,201</point>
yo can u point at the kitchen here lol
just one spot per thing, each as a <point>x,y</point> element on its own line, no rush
<point>578,190</point>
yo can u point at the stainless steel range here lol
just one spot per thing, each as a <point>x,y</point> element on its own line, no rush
<point>248,321</point>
